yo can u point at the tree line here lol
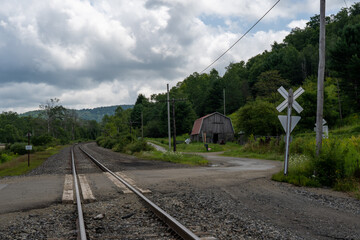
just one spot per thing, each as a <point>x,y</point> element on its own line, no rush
<point>55,125</point>
<point>251,87</point>
<point>251,93</point>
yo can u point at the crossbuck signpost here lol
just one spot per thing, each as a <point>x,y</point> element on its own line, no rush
<point>289,122</point>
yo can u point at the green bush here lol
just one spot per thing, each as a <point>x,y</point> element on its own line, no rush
<point>41,140</point>
<point>337,165</point>
<point>346,185</point>
<point>18,148</point>
<point>138,146</point>
<point>2,158</point>
<point>302,145</point>
<point>264,145</point>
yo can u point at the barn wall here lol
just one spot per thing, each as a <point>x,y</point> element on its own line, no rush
<point>217,124</point>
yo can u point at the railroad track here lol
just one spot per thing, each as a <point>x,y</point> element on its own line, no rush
<point>169,224</point>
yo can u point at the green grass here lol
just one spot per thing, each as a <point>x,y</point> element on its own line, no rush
<point>347,131</point>
<point>191,159</point>
<point>19,165</point>
<point>296,179</point>
<point>245,154</point>
<point>196,147</point>
<point>6,157</point>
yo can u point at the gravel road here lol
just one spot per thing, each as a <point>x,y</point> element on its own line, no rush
<point>224,202</point>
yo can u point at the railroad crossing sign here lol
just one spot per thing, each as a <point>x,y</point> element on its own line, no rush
<point>294,121</point>
<point>325,129</point>
<point>287,121</point>
<point>285,103</point>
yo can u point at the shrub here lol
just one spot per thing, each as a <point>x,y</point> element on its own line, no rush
<point>346,185</point>
<point>18,148</point>
<point>264,145</point>
<point>2,158</point>
<point>339,159</point>
<point>137,146</point>
<point>41,140</point>
<point>302,145</point>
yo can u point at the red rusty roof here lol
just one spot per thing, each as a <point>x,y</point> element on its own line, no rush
<point>197,125</point>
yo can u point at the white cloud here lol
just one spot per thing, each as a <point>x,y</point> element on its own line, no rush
<point>94,53</point>
<point>298,24</point>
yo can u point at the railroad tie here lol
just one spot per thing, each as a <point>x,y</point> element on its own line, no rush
<point>68,193</point>
<point>117,183</point>
<point>132,182</point>
<point>85,189</point>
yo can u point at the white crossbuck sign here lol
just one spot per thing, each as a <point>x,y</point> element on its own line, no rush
<point>287,121</point>
<point>285,94</point>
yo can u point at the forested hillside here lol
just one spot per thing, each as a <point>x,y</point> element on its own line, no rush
<point>53,124</point>
<point>251,87</point>
<point>96,114</point>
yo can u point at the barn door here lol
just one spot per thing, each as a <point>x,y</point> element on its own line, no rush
<point>215,138</point>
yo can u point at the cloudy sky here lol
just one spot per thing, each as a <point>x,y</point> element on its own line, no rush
<point>91,53</point>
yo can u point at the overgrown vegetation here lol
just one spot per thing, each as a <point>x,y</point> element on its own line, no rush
<point>337,166</point>
<point>18,164</point>
<point>54,126</point>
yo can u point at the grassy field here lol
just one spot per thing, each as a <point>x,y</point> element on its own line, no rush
<point>19,165</point>
<point>229,149</point>
<point>267,156</point>
<point>196,147</point>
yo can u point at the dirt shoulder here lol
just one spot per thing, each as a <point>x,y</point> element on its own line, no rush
<point>236,199</point>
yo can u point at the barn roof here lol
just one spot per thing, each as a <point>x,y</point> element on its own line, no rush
<point>198,123</point>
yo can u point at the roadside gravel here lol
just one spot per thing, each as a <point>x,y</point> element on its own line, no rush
<point>223,205</point>
<point>56,164</point>
<point>260,209</point>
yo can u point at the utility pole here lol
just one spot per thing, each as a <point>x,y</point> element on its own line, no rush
<point>142,126</point>
<point>338,92</point>
<point>168,109</point>
<point>174,124</point>
<point>173,104</point>
<point>321,71</point>
<point>224,103</point>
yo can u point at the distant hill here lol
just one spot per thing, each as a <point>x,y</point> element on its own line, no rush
<point>98,113</point>
<point>88,114</point>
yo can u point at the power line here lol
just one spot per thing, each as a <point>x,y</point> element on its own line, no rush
<point>240,37</point>
<point>346,3</point>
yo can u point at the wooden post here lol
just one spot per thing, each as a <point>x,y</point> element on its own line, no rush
<point>168,107</point>
<point>338,91</point>
<point>173,101</point>
<point>321,71</point>
<point>142,125</point>
<point>224,104</point>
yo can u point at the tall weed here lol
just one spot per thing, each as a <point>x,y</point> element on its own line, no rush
<point>264,145</point>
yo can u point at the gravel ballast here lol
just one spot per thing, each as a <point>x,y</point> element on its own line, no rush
<point>222,205</point>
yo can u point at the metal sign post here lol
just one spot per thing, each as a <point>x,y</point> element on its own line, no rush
<point>289,122</point>
<point>288,127</point>
<point>325,129</point>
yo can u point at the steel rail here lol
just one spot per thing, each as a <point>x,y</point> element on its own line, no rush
<point>176,226</point>
<point>78,199</point>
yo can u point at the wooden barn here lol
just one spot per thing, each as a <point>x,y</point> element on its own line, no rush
<point>215,127</point>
